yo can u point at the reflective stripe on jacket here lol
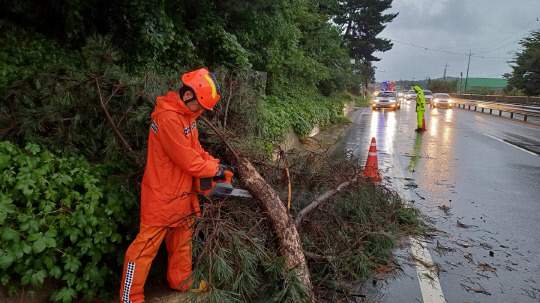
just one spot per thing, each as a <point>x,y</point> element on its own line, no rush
<point>420,99</point>
<point>175,156</point>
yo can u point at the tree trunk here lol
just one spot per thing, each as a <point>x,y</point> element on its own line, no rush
<point>281,221</point>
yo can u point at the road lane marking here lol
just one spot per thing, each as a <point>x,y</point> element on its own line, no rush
<point>500,140</point>
<point>425,268</point>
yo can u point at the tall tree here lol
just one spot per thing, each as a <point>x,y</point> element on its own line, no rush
<point>526,71</point>
<point>366,73</point>
<point>361,21</point>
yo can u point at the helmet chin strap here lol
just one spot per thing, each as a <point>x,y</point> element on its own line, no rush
<point>190,100</point>
<point>185,89</point>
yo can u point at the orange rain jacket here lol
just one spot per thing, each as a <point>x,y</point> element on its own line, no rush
<point>175,156</point>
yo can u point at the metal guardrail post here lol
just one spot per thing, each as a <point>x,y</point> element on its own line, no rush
<point>512,109</point>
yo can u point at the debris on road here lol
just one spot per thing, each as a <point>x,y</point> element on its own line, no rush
<point>445,208</point>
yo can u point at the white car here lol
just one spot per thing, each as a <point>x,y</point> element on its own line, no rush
<point>428,95</point>
<point>411,95</point>
<point>386,99</point>
<point>441,100</point>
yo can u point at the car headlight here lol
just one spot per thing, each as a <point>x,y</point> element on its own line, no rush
<point>450,101</point>
<point>436,100</point>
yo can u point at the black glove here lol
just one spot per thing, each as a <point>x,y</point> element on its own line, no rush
<point>220,175</point>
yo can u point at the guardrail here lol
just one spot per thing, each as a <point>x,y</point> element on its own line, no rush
<point>525,100</point>
<point>500,107</point>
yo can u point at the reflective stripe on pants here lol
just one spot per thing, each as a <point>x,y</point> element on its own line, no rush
<point>141,253</point>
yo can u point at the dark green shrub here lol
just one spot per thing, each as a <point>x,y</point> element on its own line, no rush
<point>61,218</point>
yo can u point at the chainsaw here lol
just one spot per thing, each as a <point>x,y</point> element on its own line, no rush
<point>217,189</point>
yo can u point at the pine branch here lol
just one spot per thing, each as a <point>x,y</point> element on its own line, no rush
<point>217,132</point>
<point>321,199</point>
<point>111,122</point>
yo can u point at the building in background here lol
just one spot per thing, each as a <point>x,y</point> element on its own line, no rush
<point>482,84</point>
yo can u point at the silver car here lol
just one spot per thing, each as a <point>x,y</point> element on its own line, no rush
<point>411,95</point>
<point>428,95</point>
<point>442,100</point>
<point>385,99</point>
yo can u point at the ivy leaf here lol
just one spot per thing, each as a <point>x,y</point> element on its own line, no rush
<point>37,278</point>
<point>32,148</point>
<point>55,272</point>
<point>39,245</point>
<point>17,248</point>
<point>4,161</point>
<point>26,248</point>
<point>65,295</point>
<point>26,185</point>
<point>34,237</point>
<point>6,207</point>
<point>9,234</point>
<point>6,259</point>
<point>29,225</point>
<point>73,233</point>
<point>72,264</point>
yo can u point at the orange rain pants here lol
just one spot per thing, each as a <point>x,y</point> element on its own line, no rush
<point>142,251</point>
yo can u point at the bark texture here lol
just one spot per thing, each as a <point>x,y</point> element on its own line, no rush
<point>281,221</point>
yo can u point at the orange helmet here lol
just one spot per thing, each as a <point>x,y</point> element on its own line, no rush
<point>205,86</point>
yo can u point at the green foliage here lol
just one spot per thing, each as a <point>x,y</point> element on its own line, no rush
<point>23,54</point>
<point>526,68</point>
<point>61,218</point>
<point>441,86</point>
<point>356,230</point>
<point>66,109</point>
<point>236,256</point>
<point>300,111</point>
<point>81,79</point>
<point>361,21</point>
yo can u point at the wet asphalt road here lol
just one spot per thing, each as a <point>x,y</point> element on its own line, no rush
<point>476,178</point>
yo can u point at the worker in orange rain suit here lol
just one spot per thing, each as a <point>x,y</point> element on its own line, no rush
<point>420,107</point>
<point>168,203</point>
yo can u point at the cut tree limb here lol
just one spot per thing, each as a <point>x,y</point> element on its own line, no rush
<point>319,200</point>
<point>282,223</point>
<point>280,220</point>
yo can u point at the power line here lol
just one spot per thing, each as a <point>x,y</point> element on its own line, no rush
<point>448,52</point>
<point>476,54</point>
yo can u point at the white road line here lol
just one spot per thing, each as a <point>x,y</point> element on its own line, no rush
<point>427,275</point>
<point>500,140</point>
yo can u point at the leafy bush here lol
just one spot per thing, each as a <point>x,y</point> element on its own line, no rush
<point>61,218</point>
<point>300,111</point>
<point>23,54</point>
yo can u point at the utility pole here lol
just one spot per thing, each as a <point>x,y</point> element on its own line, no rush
<point>468,64</point>
<point>460,81</point>
<point>444,74</point>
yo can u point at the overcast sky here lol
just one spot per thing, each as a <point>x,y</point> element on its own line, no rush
<point>427,34</point>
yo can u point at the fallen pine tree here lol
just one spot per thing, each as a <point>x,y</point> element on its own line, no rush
<point>285,229</point>
<point>333,230</point>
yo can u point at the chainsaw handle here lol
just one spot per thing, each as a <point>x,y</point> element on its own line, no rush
<point>205,185</point>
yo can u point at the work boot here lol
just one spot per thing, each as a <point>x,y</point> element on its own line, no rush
<point>202,287</point>
<point>418,129</point>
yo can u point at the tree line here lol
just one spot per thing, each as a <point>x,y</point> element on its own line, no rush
<point>78,84</point>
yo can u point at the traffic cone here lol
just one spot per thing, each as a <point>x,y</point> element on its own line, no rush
<point>424,124</point>
<point>372,168</point>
